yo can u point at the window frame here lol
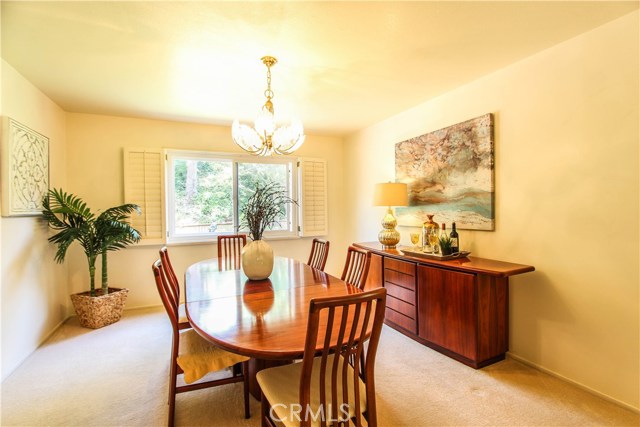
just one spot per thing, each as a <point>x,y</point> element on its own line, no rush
<point>293,210</point>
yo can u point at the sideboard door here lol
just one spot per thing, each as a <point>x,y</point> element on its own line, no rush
<point>447,314</point>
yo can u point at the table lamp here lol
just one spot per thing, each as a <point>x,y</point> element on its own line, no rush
<point>390,194</point>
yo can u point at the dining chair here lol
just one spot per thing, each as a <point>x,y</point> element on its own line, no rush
<point>183,322</point>
<point>230,250</point>
<point>319,253</point>
<point>356,268</point>
<point>191,355</point>
<point>329,387</point>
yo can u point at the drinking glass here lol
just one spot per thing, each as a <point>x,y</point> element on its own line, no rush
<point>415,238</point>
<point>433,241</point>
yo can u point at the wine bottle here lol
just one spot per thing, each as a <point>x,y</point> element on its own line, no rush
<point>455,245</point>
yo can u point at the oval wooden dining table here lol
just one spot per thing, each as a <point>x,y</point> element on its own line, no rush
<point>266,319</point>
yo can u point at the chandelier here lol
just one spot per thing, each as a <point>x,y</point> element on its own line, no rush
<point>266,138</point>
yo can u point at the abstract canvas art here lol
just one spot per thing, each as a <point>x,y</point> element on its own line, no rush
<point>25,169</point>
<point>449,173</point>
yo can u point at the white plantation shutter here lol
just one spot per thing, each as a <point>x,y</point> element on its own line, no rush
<point>314,216</point>
<point>143,185</point>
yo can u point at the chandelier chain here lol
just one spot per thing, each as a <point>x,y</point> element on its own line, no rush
<point>268,93</point>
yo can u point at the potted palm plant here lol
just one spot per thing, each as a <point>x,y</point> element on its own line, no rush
<point>99,234</point>
<point>261,211</point>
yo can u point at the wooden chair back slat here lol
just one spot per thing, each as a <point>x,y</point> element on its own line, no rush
<point>230,251</point>
<point>319,254</point>
<point>170,273</point>
<point>354,312</point>
<point>336,363</point>
<point>323,365</point>
<point>356,268</point>
<point>167,293</point>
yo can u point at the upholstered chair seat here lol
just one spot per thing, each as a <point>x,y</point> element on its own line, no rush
<point>197,357</point>
<point>280,385</point>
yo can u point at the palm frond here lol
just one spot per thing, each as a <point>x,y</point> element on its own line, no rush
<point>69,205</point>
<point>113,230</point>
<point>61,252</point>
<point>120,213</point>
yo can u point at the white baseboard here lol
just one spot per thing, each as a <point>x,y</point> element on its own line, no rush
<point>577,384</point>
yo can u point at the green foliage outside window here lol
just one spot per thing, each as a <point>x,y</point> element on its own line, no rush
<point>251,175</point>
<point>204,192</point>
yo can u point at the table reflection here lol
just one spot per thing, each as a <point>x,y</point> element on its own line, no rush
<point>258,297</point>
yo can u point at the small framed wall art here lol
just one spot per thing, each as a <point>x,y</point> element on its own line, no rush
<point>24,161</point>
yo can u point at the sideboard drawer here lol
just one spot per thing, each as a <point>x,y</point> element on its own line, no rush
<point>400,319</point>
<point>401,293</point>
<point>400,279</point>
<point>400,266</point>
<point>401,306</point>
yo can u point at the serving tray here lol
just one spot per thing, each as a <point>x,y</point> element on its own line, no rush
<point>409,251</point>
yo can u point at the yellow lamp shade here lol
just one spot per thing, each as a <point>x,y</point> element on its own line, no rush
<point>390,194</point>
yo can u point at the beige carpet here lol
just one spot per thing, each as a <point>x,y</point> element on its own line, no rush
<point>117,376</point>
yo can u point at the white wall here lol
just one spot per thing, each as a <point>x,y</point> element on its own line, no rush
<point>567,194</point>
<point>33,288</point>
<point>94,146</point>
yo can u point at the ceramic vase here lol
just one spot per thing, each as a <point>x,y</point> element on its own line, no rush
<point>257,260</point>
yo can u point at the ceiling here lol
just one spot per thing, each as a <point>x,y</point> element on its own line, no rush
<point>342,66</point>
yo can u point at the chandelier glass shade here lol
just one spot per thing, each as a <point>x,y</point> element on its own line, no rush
<point>266,137</point>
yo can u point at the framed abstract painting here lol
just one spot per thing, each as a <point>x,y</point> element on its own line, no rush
<point>24,159</point>
<point>449,174</point>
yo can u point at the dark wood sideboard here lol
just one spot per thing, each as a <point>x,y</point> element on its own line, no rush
<point>458,307</point>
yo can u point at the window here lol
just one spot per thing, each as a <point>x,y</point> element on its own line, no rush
<point>206,191</point>
<point>224,179</point>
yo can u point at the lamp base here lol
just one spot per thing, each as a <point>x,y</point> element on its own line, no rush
<point>389,236</point>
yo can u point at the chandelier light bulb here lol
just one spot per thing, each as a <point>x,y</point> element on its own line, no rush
<point>265,123</point>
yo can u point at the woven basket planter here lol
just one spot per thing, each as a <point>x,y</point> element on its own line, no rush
<point>100,310</point>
